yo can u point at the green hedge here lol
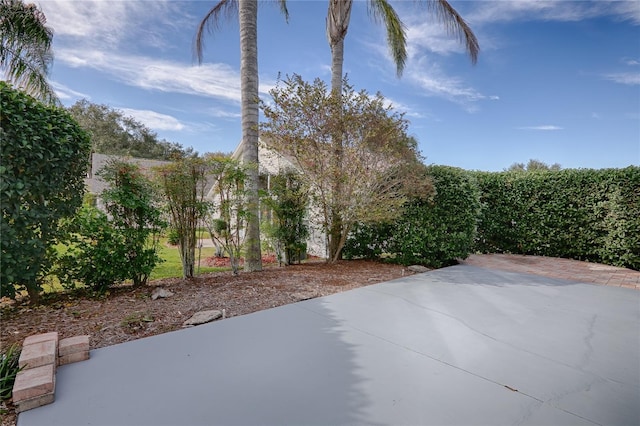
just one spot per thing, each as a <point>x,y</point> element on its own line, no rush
<point>583,214</point>
<point>45,157</point>
<point>433,232</point>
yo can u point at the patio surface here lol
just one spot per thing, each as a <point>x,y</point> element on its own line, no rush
<point>462,345</point>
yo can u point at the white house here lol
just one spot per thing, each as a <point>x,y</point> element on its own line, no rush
<point>271,163</point>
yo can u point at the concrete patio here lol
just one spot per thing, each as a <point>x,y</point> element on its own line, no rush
<point>457,346</point>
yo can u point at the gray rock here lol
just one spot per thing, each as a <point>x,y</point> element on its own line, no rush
<point>202,317</point>
<point>418,269</point>
<point>160,292</point>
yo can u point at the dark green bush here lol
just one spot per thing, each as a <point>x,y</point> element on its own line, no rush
<point>97,254</point>
<point>106,250</point>
<point>433,232</point>
<point>583,214</point>
<point>44,161</point>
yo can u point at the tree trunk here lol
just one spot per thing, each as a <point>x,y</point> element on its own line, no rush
<point>248,14</point>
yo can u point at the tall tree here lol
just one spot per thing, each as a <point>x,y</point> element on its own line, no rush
<point>381,166</point>
<point>338,17</point>
<point>247,11</point>
<point>25,48</point>
<point>112,132</point>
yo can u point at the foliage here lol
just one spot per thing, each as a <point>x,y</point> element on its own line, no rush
<point>25,48</point>
<point>114,133</point>
<point>533,165</point>
<point>377,158</point>
<point>171,266</point>
<point>183,184</point>
<point>247,12</point>
<point>9,369</point>
<point>106,250</point>
<point>583,214</point>
<point>44,161</point>
<point>229,214</point>
<point>432,231</point>
<point>96,254</point>
<point>287,201</point>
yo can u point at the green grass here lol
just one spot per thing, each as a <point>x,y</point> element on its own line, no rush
<point>170,268</point>
<point>172,265</point>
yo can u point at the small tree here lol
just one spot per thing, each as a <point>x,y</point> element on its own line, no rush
<point>106,250</point>
<point>44,161</point>
<point>229,213</point>
<point>288,200</point>
<point>183,184</point>
<point>368,185</point>
<point>130,200</point>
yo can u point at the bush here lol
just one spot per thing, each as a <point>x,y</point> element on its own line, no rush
<point>106,250</point>
<point>97,254</point>
<point>288,202</point>
<point>44,161</point>
<point>582,214</point>
<point>8,370</point>
<point>434,231</point>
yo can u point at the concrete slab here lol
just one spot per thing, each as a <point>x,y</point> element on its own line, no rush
<point>460,345</point>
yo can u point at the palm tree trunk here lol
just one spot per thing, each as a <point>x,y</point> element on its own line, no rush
<point>335,230</point>
<point>338,17</point>
<point>248,14</point>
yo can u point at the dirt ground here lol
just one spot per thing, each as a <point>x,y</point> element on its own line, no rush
<point>126,314</point>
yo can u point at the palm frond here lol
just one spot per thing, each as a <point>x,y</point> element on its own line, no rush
<point>284,10</point>
<point>456,26</point>
<point>381,10</point>
<point>25,48</point>
<point>211,22</point>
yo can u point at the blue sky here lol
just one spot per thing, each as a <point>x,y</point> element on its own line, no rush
<point>556,81</point>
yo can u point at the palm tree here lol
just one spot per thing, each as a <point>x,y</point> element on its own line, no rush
<point>247,11</point>
<point>25,48</point>
<point>338,17</point>
<point>339,14</point>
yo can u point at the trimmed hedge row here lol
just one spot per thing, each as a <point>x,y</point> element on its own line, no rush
<point>583,214</point>
<point>431,232</point>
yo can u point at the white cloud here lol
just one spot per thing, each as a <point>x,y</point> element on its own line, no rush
<point>212,80</point>
<point>595,116</point>
<point>557,10</point>
<point>154,120</point>
<point>545,127</point>
<point>220,113</point>
<point>108,23</point>
<point>631,62</point>
<point>63,92</point>
<point>434,82</point>
<point>629,78</point>
<point>432,36</point>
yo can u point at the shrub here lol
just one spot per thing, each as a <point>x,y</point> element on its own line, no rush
<point>583,214</point>
<point>106,250</point>
<point>97,254</point>
<point>432,231</point>
<point>287,201</point>
<point>8,370</point>
<point>44,161</point>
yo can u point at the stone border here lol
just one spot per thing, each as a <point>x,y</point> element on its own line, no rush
<point>41,354</point>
